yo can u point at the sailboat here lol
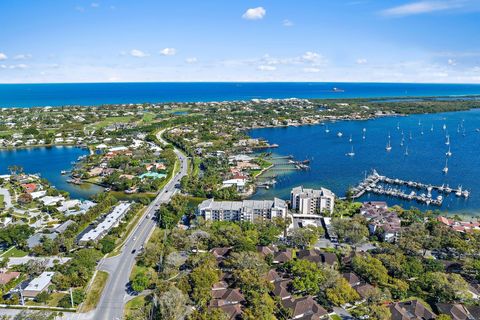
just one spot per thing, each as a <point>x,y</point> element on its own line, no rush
<point>406,151</point>
<point>448,140</point>
<point>363,136</point>
<point>351,153</point>
<point>431,129</point>
<point>444,127</point>
<point>340,134</point>
<point>421,132</point>
<point>389,146</point>
<point>398,125</point>
<point>419,122</point>
<point>350,140</point>
<point>449,152</point>
<point>410,135</point>
<point>401,142</point>
<point>326,129</point>
<point>445,169</point>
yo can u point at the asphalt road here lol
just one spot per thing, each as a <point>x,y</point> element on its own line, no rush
<point>115,294</point>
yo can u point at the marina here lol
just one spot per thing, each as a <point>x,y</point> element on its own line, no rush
<point>424,160</point>
<point>379,184</point>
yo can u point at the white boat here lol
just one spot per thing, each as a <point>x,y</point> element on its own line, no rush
<point>401,143</point>
<point>364,129</point>
<point>351,153</point>
<point>448,140</point>
<point>388,147</point>
<point>340,134</point>
<point>410,135</point>
<point>431,129</point>
<point>449,153</point>
<point>466,193</point>
<point>419,122</point>
<point>406,151</point>
<point>444,127</point>
<point>350,140</point>
<point>445,169</point>
<point>440,198</point>
<point>458,193</point>
<point>363,136</point>
<point>326,129</point>
<point>398,125</point>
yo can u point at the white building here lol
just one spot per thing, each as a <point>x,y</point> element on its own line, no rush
<point>246,210</point>
<point>38,285</point>
<point>110,221</point>
<point>311,201</point>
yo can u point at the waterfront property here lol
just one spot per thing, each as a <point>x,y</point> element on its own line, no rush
<point>110,221</point>
<point>246,210</point>
<point>311,201</point>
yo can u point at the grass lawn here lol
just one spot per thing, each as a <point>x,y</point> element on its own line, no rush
<point>14,253</point>
<point>134,304</point>
<point>93,295</point>
<point>335,317</point>
<point>1,201</point>
<point>55,299</point>
<point>148,117</point>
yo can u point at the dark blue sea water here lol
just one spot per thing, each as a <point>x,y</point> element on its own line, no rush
<point>29,95</point>
<point>49,162</point>
<point>331,168</point>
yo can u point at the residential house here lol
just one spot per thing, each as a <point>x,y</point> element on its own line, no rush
<point>38,285</point>
<point>410,310</point>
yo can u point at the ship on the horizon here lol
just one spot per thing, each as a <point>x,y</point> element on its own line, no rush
<point>335,89</point>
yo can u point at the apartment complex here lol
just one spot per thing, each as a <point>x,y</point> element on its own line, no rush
<point>110,221</point>
<point>246,210</point>
<point>311,201</point>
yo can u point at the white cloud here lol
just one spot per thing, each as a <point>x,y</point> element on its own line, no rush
<point>362,61</point>
<point>421,7</point>
<point>311,70</point>
<point>266,68</point>
<point>287,23</point>
<point>95,5</point>
<point>191,60</point>
<point>452,62</point>
<point>138,53</point>
<point>22,56</point>
<point>15,66</point>
<point>312,57</point>
<point>254,13</point>
<point>3,56</point>
<point>168,52</point>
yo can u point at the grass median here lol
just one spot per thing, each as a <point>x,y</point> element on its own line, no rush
<point>95,292</point>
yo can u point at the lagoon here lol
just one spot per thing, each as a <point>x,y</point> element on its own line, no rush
<point>333,169</point>
<point>49,162</point>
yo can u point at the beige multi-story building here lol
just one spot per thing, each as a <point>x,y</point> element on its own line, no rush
<point>311,201</point>
<point>246,210</point>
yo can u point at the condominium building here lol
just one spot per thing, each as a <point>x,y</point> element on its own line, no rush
<point>311,201</point>
<point>246,210</point>
<point>110,221</point>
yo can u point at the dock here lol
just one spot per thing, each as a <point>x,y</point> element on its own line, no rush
<point>383,185</point>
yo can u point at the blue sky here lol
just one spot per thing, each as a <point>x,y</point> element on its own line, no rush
<point>239,40</point>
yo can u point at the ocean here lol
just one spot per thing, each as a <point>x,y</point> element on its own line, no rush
<point>89,94</point>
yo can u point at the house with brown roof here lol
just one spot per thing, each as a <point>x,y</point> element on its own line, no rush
<point>364,290</point>
<point>304,308</point>
<point>456,311</point>
<point>282,256</point>
<point>6,277</point>
<point>410,310</point>
<point>352,279</point>
<point>272,276</point>
<point>233,311</point>
<point>280,289</point>
<point>220,254</point>
<point>267,250</point>
<point>228,296</point>
<point>318,257</point>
